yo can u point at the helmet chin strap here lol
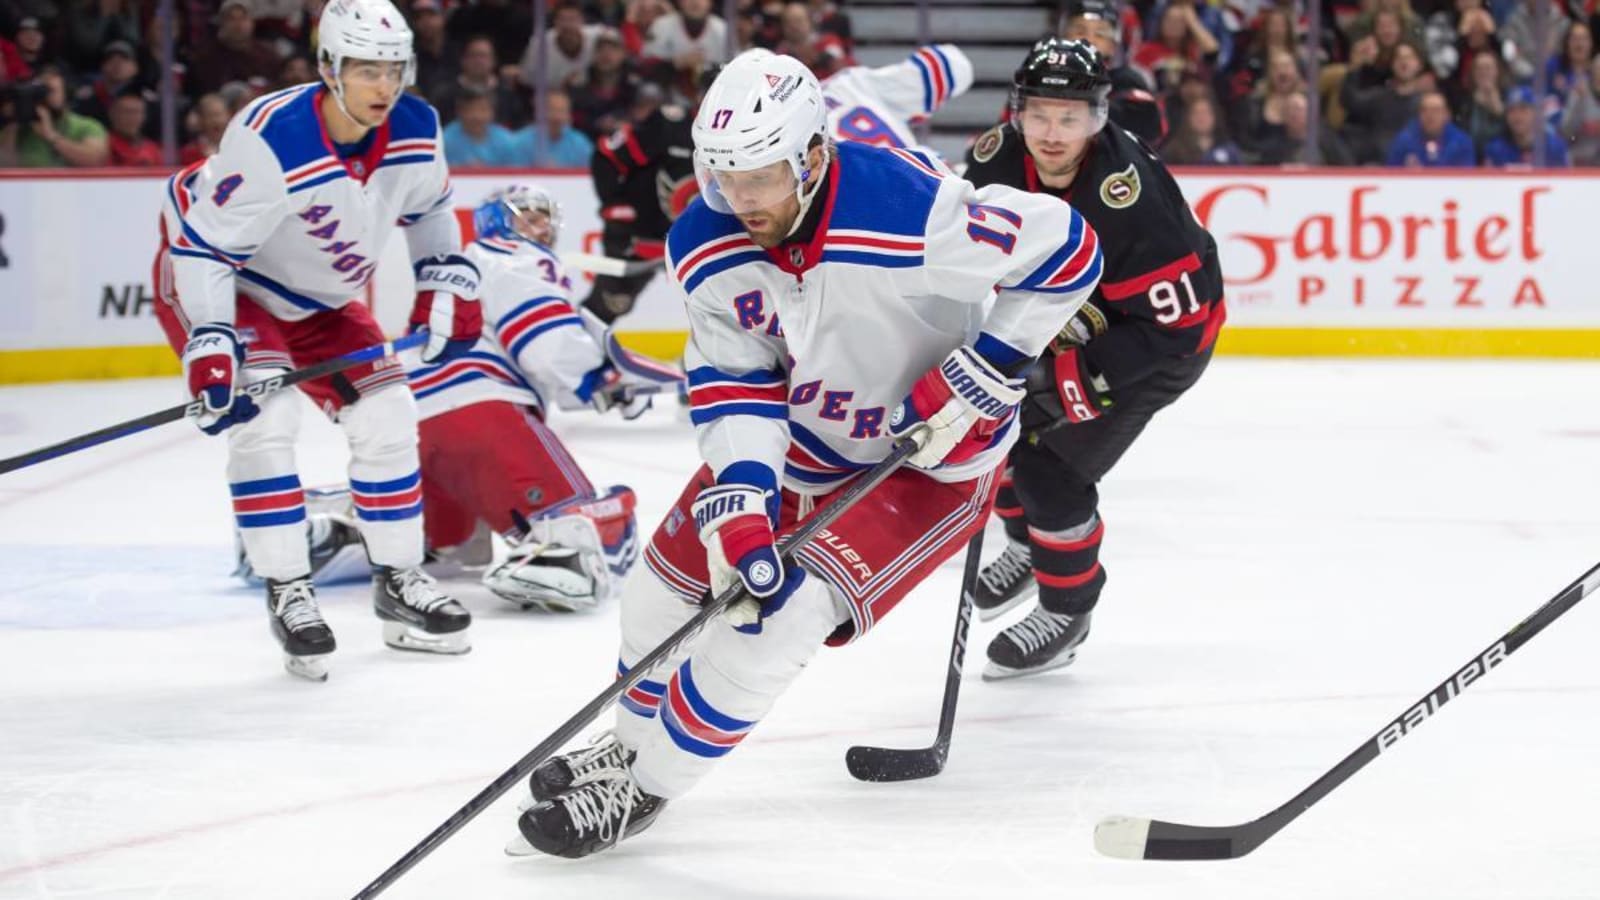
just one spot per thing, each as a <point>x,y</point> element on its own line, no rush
<point>806,196</point>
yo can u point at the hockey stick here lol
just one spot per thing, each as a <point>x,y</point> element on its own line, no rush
<point>890,764</point>
<point>1130,837</point>
<point>819,520</point>
<point>192,408</point>
<point>609,265</point>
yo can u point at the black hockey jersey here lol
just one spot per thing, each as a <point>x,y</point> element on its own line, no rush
<point>1161,288</point>
<point>1134,106</point>
<point>644,176</point>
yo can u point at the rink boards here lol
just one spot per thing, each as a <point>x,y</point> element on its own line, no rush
<point>1326,262</point>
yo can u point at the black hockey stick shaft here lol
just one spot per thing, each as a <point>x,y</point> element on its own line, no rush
<point>892,764</point>
<point>1169,840</point>
<point>802,535</point>
<point>192,408</point>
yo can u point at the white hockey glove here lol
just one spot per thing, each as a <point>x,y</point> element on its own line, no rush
<point>963,401</point>
<point>447,305</point>
<point>211,362</point>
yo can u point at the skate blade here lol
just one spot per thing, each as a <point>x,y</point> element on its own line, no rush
<point>519,847</point>
<point>401,636</point>
<point>996,672</point>
<point>311,668</point>
<point>989,615</point>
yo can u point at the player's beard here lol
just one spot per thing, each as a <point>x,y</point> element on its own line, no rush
<point>772,225</point>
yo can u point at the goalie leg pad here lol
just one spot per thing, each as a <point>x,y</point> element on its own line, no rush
<point>572,556</point>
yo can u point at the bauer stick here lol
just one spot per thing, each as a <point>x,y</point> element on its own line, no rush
<point>1137,838</point>
<point>890,764</point>
<point>192,408</point>
<point>819,520</point>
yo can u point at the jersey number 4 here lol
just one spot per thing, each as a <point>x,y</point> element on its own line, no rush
<point>989,226</point>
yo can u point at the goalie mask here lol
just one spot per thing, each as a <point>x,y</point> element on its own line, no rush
<point>519,212</point>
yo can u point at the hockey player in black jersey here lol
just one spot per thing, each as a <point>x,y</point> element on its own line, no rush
<point>1144,338</point>
<point>644,176</point>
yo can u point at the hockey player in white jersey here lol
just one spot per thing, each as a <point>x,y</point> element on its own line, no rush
<point>879,106</point>
<point>265,247</point>
<point>835,294</point>
<point>489,461</point>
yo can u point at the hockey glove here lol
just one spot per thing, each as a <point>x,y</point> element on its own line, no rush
<point>211,362</point>
<point>447,305</point>
<point>605,389</point>
<point>964,402</point>
<point>1083,395</point>
<point>735,518</point>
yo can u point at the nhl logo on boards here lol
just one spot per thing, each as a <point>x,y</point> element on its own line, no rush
<point>1121,190</point>
<point>987,145</point>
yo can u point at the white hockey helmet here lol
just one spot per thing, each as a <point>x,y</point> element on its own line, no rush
<point>763,108</point>
<point>366,30</point>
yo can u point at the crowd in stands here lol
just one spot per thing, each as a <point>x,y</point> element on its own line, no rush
<point>1389,82</point>
<point>80,80</point>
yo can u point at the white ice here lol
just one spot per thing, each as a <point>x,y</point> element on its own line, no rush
<point>1297,551</point>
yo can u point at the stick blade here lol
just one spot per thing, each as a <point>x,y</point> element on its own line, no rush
<point>888,764</point>
<point>1122,837</point>
<point>1130,837</point>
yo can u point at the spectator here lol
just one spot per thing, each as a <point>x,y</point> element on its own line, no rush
<point>822,53</point>
<point>281,23</point>
<point>1199,139</point>
<point>554,143</point>
<point>92,24</point>
<point>474,140</point>
<point>296,68</point>
<point>1388,33</point>
<point>236,55</point>
<point>602,96</point>
<point>1521,32</point>
<point>605,12</point>
<point>642,16</point>
<point>1376,107</point>
<point>1432,140</point>
<point>1409,24</point>
<point>31,53</point>
<point>1517,145</point>
<point>690,38</point>
<point>1477,38</point>
<point>1571,67</point>
<point>479,73</point>
<point>127,142</point>
<point>1213,21</point>
<point>569,47</point>
<point>1289,147</point>
<point>1267,104</point>
<point>508,22</point>
<point>118,71</point>
<point>153,65</point>
<point>1482,115</point>
<point>55,137</point>
<point>1181,44</point>
<point>437,62</point>
<point>212,116</point>
<point>1580,120</point>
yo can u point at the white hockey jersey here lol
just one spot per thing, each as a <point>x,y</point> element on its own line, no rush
<point>534,345</point>
<point>797,357</point>
<point>878,106</point>
<point>277,216</point>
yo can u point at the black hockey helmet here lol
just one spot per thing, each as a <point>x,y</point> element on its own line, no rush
<point>1059,69</point>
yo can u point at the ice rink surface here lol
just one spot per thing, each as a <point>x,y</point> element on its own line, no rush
<point>1296,551</point>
